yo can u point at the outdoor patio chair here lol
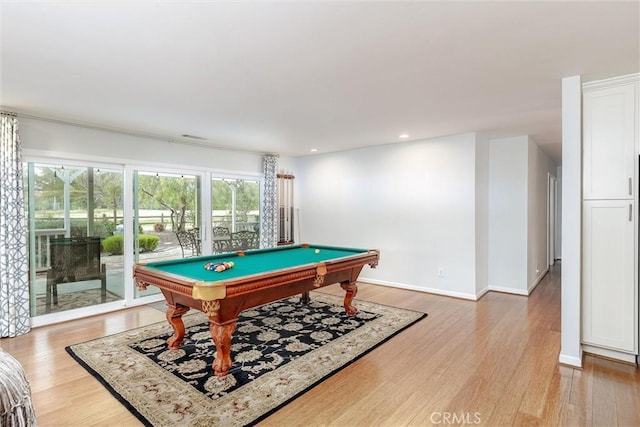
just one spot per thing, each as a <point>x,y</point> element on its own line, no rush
<point>221,240</point>
<point>74,259</point>
<point>220,231</point>
<point>243,240</point>
<point>189,241</point>
<point>195,238</point>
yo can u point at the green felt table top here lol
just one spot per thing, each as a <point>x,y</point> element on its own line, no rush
<point>254,262</point>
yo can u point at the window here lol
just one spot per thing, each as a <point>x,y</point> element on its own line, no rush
<point>79,216</point>
<point>71,210</point>
<point>235,208</point>
<point>166,219</point>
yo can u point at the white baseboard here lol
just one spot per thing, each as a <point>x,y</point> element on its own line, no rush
<point>420,289</point>
<point>515,291</point>
<point>537,281</point>
<point>482,293</point>
<point>570,360</point>
<point>509,290</point>
<point>461,295</point>
<point>609,354</point>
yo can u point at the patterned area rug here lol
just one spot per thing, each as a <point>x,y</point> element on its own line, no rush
<point>279,351</point>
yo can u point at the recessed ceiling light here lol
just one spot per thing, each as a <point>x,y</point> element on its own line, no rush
<point>404,136</point>
<point>314,150</point>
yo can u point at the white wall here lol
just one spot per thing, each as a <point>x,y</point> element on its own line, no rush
<point>67,141</point>
<point>540,167</point>
<point>559,213</point>
<point>518,174</point>
<point>287,164</point>
<point>570,348</point>
<point>508,214</point>
<point>415,201</point>
<point>482,215</point>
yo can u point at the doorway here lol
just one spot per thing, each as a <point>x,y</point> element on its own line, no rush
<point>552,187</point>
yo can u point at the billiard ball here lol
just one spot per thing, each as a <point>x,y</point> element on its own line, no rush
<point>317,251</point>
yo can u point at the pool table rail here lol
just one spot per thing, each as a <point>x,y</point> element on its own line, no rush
<point>318,271</point>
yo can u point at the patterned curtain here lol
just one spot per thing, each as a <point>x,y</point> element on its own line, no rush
<point>14,273</point>
<point>269,214</point>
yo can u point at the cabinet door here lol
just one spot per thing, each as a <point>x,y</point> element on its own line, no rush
<point>609,291</point>
<point>609,142</point>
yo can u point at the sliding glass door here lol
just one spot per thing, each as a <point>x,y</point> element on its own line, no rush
<point>71,211</point>
<point>88,223</point>
<point>166,223</point>
<point>235,214</point>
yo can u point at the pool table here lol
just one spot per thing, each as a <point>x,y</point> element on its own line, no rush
<point>258,277</point>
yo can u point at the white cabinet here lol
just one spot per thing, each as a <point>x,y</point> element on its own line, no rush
<point>609,219</point>
<point>609,143</point>
<point>608,274</point>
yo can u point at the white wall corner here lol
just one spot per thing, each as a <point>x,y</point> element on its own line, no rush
<point>507,214</point>
<point>482,215</point>
<point>537,280</point>
<point>570,348</point>
<point>481,293</point>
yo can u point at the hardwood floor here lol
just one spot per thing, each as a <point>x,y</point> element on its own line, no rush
<point>491,362</point>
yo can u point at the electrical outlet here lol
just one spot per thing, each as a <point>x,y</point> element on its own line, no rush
<point>440,271</point>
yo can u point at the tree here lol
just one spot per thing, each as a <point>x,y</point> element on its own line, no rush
<point>48,189</point>
<point>108,191</point>
<point>221,195</point>
<point>247,197</point>
<point>176,194</point>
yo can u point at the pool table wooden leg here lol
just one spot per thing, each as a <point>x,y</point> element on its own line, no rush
<point>305,298</point>
<point>174,316</point>
<point>221,335</point>
<point>351,289</point>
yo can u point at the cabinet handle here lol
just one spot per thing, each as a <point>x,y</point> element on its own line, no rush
<point>630,212</point>
<point>630,187</point>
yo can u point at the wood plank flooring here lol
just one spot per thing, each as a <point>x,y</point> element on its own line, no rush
<point>491,362</point>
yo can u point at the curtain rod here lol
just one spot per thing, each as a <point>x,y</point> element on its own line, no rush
<point>130,133</point>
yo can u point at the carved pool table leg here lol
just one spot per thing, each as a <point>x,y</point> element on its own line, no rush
<point>351,289</point>
<point>221,335</point>
<point>174,316</point>
<point>305,298</point>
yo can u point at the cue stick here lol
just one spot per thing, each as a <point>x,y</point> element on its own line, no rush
<point>298,224</point>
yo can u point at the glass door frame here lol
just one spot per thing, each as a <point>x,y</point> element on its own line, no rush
<point>259,178</point>
<point>56,317</point>
<point>129,212</point>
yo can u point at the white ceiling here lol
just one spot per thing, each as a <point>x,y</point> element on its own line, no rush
<point>290,76</point>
